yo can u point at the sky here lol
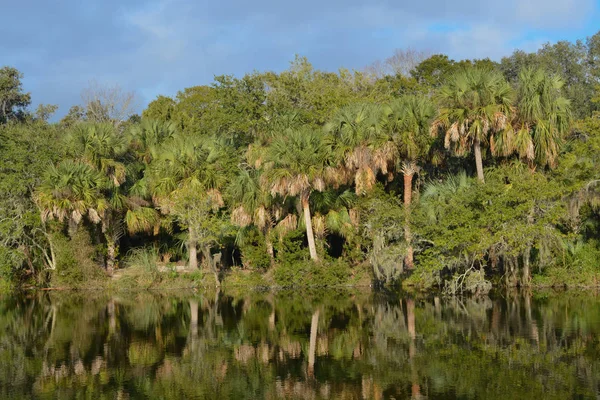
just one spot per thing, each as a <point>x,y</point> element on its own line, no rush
<point>158,47</point>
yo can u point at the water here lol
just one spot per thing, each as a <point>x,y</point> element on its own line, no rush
<point>295,344</point>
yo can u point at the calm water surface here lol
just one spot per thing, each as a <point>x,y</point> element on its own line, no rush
<point>298,344</point>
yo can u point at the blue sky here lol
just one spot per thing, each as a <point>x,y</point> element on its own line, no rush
<point>162,46</point>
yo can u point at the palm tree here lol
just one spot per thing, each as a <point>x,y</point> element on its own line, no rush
<point>102,147</point>
<point>476,102</point>
<point>542,118</point>
<point>145,143</point>
<point>185,178</point>
<point>252,205</point>
<point>361,145</point>
<point>297,163</point>
<point>409,126</point>
<point>334,213</point>
<point>146,138</point>
<point>69,192</point>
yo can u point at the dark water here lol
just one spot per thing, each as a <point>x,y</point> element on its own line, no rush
<point>296,344</point>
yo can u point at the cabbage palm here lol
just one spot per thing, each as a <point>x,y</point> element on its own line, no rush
<point>146,138</point>
<point>297,161</point>
<point>542,118</point>
<point>69,192</point>
<point>185,178</point>
<point>476,103</point>
<point>361,144</point>
<point>102,147</point>
<point>252,205</point>
<point>409,126</point>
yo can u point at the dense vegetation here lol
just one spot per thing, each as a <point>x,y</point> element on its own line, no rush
<point>449,173</point>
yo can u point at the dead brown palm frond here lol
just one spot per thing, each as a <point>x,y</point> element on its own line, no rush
<point>318,222</point>
<point>335,176</point>
<point>288,224</point>
<point>454,132</point>
<point>435,128</point>
<point>262,219</point>
<point>93,216</point>
<point>500,121</point>
<point>384,156</point>
<point>447,139</point>
<point>298,184</point>
<point>364,180</point>
<point>354,217</point>
<point>277,212</point>
<point>358,158</point>
<point>319,184</point>
<point>464,127</point>
<point>76,216</point>
<point>240,217</point>
<point>216,199</point>
<point>280,186</point>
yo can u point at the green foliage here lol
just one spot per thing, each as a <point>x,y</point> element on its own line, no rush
<point>310,273</point>
<point>75,265</point>
<point>241,166</point>
<point>13,102</point>
<point>254,251</point>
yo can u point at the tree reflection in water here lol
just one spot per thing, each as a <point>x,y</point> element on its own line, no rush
<point>294,344</point>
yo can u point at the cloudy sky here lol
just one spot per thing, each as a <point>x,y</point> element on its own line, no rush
<point>161,46</point>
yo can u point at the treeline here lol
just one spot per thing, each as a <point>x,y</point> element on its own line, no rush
<point>461,172</point>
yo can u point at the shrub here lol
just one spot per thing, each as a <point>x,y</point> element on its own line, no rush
<point>254,251</point>
<point>75,264</point>
<point>310,273</point>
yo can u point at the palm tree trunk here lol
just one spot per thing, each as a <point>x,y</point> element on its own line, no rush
<point>408,176</point>
<point>309,230</point>
<point>192,249</point>
<point>312,348</point>
<point>111,254</point>
<point>478,160</point>
<point>269,245</point>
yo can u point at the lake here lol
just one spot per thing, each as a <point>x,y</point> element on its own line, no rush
<point>304,344</point>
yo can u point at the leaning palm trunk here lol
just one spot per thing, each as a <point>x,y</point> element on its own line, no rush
<point>478,160</point>
<point>309,229</point>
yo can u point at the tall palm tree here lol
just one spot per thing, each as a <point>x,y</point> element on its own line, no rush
<point>185,179</point>
<point>145,142</point>
<point>102,147</point>
<point>361,144</point>
<point>542,118</point>
<point>297,163</point>
<point>476,102</point>
<point>252,205</point>
<point>541,121</point>
<point>410,119</point>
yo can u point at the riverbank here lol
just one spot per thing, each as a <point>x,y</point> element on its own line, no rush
<point>304,275</point>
